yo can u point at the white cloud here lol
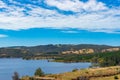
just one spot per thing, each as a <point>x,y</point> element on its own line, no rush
<point>114,31</point>
<point>2,4</point>
<point>69,31</point>
<point>15,19</point>
<point>76,5</point>
<point>2,36</point>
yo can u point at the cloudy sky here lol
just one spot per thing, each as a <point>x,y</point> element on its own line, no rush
<point>35,22</point>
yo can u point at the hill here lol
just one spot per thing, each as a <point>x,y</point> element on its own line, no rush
<point>20,51</point>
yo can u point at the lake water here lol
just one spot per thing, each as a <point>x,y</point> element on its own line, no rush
<point>28,67</point>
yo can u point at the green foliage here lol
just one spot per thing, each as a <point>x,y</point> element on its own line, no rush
<point>116,77</point>
<point>101,59</point>
<point>39,72</point>
<point>74,70</point>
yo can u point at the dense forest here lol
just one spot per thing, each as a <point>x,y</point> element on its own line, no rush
<point>101,59</point>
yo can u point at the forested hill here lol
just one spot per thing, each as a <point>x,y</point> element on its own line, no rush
<point>18,51</point>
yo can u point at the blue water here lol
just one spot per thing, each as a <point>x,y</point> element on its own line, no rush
<point>28,67</point>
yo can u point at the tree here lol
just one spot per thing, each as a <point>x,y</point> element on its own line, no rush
<point>116,77</point>
<point>15,76</point>
<point>74,70</point>
<point>39,72</point>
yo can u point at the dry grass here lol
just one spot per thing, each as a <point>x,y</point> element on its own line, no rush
<point>89,72</point>
<point>106,78</point>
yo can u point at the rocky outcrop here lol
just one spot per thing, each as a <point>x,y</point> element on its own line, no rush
<point>89,51</point>
<point>110,49</point>
<point>81,51</point>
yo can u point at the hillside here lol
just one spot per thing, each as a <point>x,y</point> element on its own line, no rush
<point>18,51</point>
<point>106,73</point>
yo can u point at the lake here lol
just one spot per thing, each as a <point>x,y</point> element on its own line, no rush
<point>27,67</point>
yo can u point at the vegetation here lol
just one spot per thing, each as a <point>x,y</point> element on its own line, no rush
<point>106,73</point>
<point>74,70</point>
<point>100,59</point>
<point>116,77</point>
<point>39,72</point>
<point>29,52</point>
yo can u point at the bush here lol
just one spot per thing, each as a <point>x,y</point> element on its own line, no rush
<point>39,72</point>
<point>74,70</point>
<point>116,77</point>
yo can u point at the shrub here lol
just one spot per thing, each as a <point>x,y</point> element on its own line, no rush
<point>74,70</point>
<point>39,72</point>
<point>116,77</point>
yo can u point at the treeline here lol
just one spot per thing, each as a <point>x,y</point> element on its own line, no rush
<point>98,59</point>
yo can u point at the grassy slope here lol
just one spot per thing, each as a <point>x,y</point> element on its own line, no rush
<point>106,78</point>
<point>88,72</point>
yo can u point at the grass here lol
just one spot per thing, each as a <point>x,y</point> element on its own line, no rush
<point>96,73</point>
<point>106,78</point>
<point>90,72</point>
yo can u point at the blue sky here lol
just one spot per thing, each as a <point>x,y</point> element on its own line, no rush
<point>36,22</point>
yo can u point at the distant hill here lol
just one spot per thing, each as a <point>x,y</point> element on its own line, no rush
<point>19,51</point>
